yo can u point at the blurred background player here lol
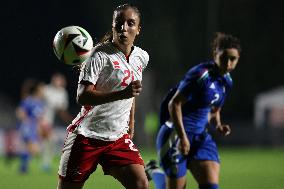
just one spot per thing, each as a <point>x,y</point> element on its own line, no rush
<point>183,141</point>
<point>29,114</point>
<point>102,132</point>
<point>56,105</point>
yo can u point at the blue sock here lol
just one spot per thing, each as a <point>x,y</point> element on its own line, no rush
<point>159,179</point>
<point>24,161</point>
<point>208,186</point>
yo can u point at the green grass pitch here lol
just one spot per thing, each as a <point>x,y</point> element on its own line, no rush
<point>241,168</point>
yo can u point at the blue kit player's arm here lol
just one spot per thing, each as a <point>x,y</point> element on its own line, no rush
<point>215,115</point>
<point>215,119</point>
<point>181,96</point>
<point>175,110</point>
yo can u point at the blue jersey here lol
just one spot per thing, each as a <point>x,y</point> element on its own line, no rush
<point>33,108</point>
<point>203,88</point>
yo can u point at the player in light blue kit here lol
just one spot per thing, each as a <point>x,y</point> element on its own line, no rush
<point>183,141</point>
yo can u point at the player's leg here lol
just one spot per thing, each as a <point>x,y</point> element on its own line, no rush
<point>69,185</point>
<point>46,134</point>
<point>206,173</point>
<point>46,154</point>
<point>204,161</point>
<point>176,183</point>
<point>30,148</point>
<point>78,160</point>
<point>155,173</point>
<point>161,181</point>
<point>172,162</point>
<point>33,148</point>
<point>24,160</point>
<point>136,177</point>
<point>124,162</point>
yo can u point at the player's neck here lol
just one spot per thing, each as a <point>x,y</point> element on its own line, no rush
<point>125,49</point>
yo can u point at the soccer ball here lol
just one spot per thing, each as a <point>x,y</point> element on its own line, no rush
<point>72,45</point>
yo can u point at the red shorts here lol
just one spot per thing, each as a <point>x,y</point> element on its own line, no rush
<point>81,155</point>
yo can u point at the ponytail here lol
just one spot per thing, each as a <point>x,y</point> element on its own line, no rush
<point>107,37</point>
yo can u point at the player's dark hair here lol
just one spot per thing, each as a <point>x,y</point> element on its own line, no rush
<point>108,36</point>
<point>224,41</point>
<point>123,7</point>
<point>29,87</point>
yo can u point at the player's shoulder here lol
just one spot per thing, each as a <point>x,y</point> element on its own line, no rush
<point>102,49</point>
<point>200,71</point>
<point>139,52</point>
<point>100,53</point>
<point>228,79</point>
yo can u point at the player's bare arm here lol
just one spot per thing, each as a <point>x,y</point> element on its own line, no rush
<point>132,120</point>
<point>215,119</point>
<point>175,111</point>
<point>88,95</point>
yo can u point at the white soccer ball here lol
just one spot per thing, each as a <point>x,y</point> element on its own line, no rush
<point>72,45</point>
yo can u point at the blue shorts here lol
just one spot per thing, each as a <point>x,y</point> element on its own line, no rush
<point>175,165</point>
<point>28,132</point>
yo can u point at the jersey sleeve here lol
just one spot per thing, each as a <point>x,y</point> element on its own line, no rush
<point>144,58</point>
<point>227,87</point>
<point>23,105</point>
<point>92,68</point>
<point>64,102</point>
<point>192,81</point>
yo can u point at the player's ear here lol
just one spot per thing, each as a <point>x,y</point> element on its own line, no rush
<point>138,31</point>
<point>214,53</point>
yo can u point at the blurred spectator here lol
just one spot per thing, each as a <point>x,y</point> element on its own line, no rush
<point>10,144</point>
<point>269,108</point>
<point>9,139</point>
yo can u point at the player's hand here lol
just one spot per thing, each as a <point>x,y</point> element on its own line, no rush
<point>184,145</point>
<point>225,130</point>
<point>133,89</point>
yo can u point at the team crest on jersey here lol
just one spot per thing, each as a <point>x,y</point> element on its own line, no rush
<point>139,68</point>
<point>212,86</point>
<point>116,65</point>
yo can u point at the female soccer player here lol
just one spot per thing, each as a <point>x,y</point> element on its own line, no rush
<point>101,134</point>
<point>29,114</point>
<point>183,141</point>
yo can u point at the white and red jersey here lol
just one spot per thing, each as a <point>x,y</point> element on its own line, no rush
<point>109,70</point>
<point>56,98</point>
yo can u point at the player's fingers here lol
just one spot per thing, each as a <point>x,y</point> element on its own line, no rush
<point>186,151</point>
<point>136,86</point>
<point>227,130</point>
<point>137,83</point>
<point>136,92</point>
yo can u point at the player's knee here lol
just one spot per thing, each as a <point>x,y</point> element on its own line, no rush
<point>208,186</point>
<point>142,183</point>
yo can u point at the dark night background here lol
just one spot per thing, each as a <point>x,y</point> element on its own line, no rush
<point>176,35</point>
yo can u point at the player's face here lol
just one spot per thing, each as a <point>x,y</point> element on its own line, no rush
<point>40,90</point>
<point>125,27</point>
<point>227,59</point>
<point>58,81</point>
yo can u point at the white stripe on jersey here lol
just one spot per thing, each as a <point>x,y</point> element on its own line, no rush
<point>108,70</point>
